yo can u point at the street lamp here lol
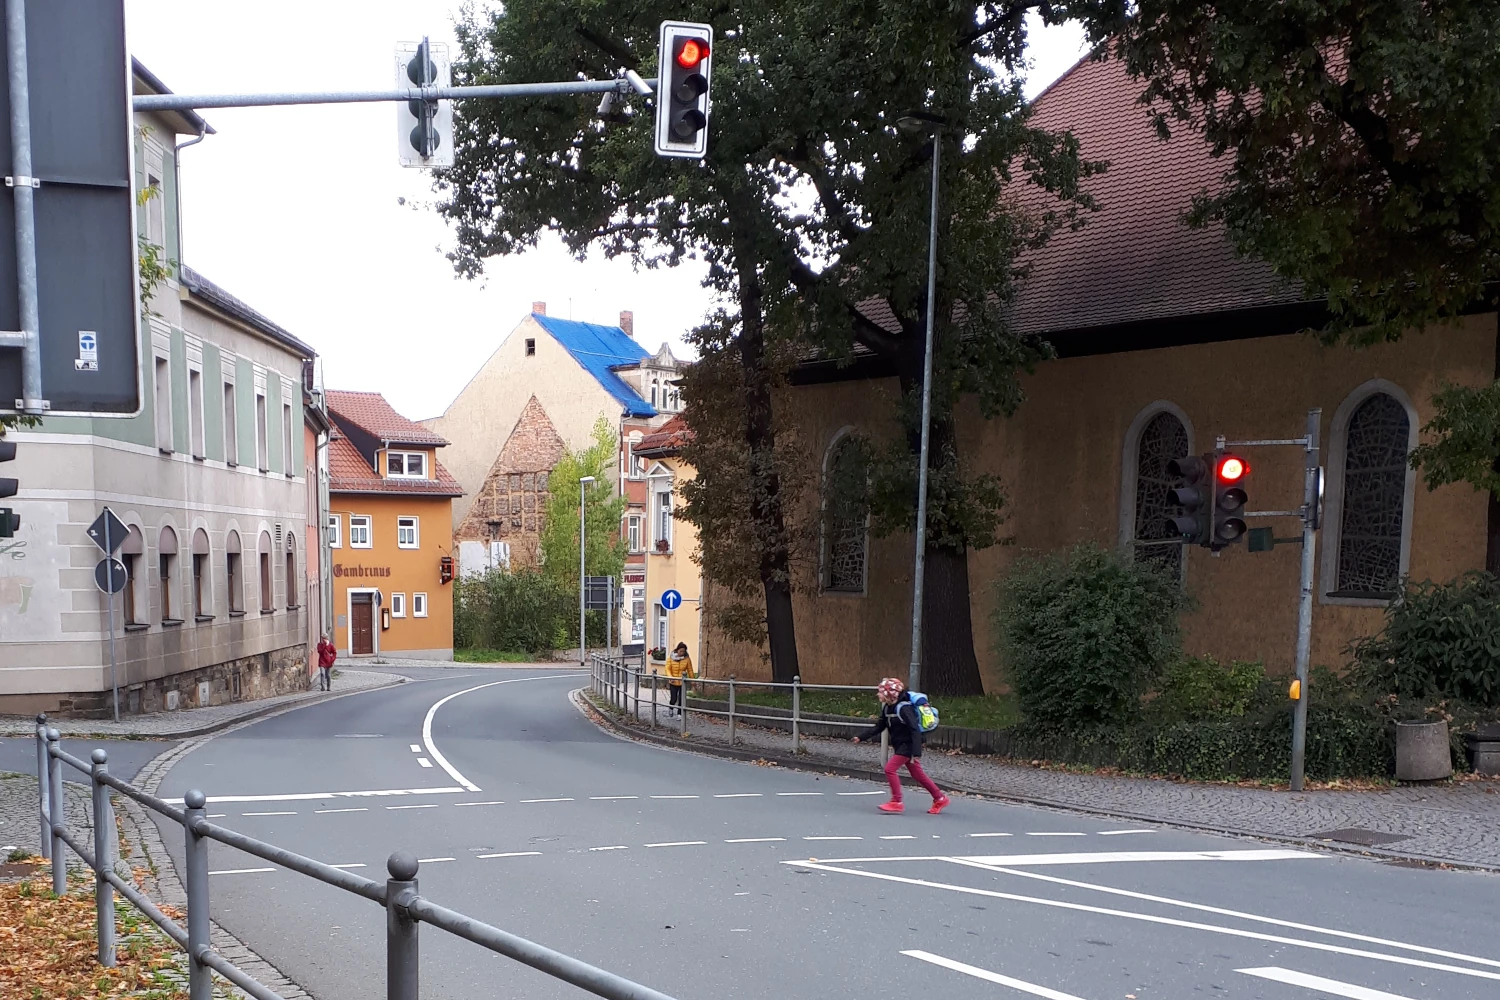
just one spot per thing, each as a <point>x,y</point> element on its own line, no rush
<point>917,123</point>
<point>583,483</point>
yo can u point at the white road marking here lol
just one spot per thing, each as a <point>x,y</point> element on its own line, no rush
<point>209,816</point>
<point>424,762</point>
<point>739,795</point>
<point>241,871</point>
<point>610,798</point>
<point>309,796</point>
<point>616,847</point>
<point>674,796</point>
<point>357,736</point>
<point>511,854</point>
<point>993,977</point>
<point>791,794</point>
<point>757,840</point>
<point>433,861</point>
<point>899,836</point>
<point>1332,986</point>
<point>991,834</point>
<point>833,838</point>
<point>1121,833</point>
<point>1165,921</point>
<point>680,843</point>
<point>460,805</point>
<point>425,805</point>
<point>876,792</point>
<point>1063,833</point>
<point>432,750</point>
<point>992,861</point>
<point>269,814</point>
<point>351,809</point>
<point>356,864</point>
<point>546,800</point>
<point>415,748</point>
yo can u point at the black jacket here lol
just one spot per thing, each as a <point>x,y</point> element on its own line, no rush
<point>901,720</point>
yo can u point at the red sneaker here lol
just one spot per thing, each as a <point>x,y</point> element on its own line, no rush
<point>938,805</point>
<point>892,807</point>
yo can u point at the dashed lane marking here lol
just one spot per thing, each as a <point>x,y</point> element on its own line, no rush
<point>993,977</point>
<point>1119,833</point>
<point>680,843</point>
<point>796,794</point>
<point>424,805</point>
<point>615,847</point>
<point>739,795</point>
<point>278,813</point>
<point>833,838</point>
<point>877,791</point>
<point>899,836</point>
<point>351,809</point>
<point>1330,986</point>
<point>546,800</point>
<point>756,840</point>
<point>496,802</point>
<point>1056,833</point>
<point>674,796</point>
<point>610,798</point>
<point>241,871</point>
<point>511,854</point>
<point>992,835</point>
<point>424,762</point>
<point>433,861</point>
<point>355,864</point>
<point>209,816</point>
<point>415,748</point>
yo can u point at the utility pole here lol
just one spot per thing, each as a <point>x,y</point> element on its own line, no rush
<point>582,579</point>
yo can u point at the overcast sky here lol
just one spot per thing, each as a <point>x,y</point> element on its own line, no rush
<point>298,211</point>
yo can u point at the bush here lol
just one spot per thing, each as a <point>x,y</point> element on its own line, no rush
<point>1083,634</point>
<point>521,612</point>
<point>1199,687</point>
<point>1439,641</point>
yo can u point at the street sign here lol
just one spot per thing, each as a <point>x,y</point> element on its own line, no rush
<point>108,532</point>
<point>671,600</point>
<point>598,593</point>
<point>76,202</point>
<point>109,576</point>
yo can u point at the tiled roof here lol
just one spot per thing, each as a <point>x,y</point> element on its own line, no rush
<point>211,293</point>
<point>348,472</point>
<point>1135,259</point>
<point>667,439</point>
<point>599,349</point>
<point>372,414</point>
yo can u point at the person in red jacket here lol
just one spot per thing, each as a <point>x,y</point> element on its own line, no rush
<point>327,653</point>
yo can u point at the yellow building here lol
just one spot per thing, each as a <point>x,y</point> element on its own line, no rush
<point>390,527</point>
<point>670,545</point>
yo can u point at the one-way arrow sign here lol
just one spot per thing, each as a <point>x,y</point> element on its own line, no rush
<point>108,532</point>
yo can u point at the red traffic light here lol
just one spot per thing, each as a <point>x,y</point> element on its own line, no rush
<point>1232,468</point>
<point>692,52</point>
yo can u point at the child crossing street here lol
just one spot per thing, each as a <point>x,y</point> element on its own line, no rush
<point>899,716</point>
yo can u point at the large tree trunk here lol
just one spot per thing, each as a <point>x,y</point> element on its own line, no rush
<point>766,508</point>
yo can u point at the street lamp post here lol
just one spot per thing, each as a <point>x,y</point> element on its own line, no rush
<point>583,483</point>
<point>924,123</point>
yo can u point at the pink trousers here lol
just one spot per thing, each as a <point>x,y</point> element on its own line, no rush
<point>913,766</point>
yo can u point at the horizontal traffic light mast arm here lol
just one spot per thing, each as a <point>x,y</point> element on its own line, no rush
<point>191,102</point>
<point>1274,513</point>
<point>1247,444</point>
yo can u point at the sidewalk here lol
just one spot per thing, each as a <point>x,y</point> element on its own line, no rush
<point>1450,823</point>
<point>200,721</point>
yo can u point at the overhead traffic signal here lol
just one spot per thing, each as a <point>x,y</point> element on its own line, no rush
<point>10,521</point>
<point>686,57</point>
<point>424,129</point>
<point>1194,496</point>
<point>1229,499</point>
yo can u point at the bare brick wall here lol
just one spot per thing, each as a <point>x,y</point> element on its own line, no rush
<point>510,504</point>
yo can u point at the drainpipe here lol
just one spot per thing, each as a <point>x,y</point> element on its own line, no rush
<point>177,181</point>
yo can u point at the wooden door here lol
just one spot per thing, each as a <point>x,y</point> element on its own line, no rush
<point>362,624</point>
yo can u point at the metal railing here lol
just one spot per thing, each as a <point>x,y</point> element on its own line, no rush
<point>620,682</point>
<point>405,909</point>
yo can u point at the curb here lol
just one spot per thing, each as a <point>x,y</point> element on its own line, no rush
<point>811,762</point>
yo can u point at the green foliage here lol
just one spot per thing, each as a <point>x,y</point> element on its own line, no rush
<point>490,656</point>
<point>1360,139</point>
<point>21,420</point>
<point>1439,640</point>
<point>1084,633</point>
<point>964,508</point>
<point>602,513</point>
<point>1464,439</point>
<point>526,612</point>
<point>1199,687</point>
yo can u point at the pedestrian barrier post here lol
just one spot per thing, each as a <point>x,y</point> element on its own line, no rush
<point>682,705</point>
<point>401,957</point>
<point>45,810</point>
<point>104,858</point>
<point>653,699</point>
<point>635,682</point>
<point>797,714</point>
<point>731,709</point>
<point>58,814</point>
<point>195,857</point>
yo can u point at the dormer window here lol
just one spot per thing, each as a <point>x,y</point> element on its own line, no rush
<point>406,465</point>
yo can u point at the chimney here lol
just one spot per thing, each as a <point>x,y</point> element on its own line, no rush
<point>627,322</point>
<point>540,308</point>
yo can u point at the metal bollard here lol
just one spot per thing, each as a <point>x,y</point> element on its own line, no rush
<point>104,858</point>
<point>797,714</point>
<point>682,705</point>
<point>731,709</point>
<point>195,853</point>
<point>401,957</point>
<point>58,815</point>
<point>653,699</point>
<point>45,810</point>
<point>635,681</point>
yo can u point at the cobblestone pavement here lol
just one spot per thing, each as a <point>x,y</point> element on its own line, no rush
<point>198,721</point>
<point>1453,822</point>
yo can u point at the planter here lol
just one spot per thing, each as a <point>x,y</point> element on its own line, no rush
<point>1422,752</point>
<point>1484,749</point>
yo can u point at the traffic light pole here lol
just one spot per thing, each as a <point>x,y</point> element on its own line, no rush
<point>29,337</point>
<point>629,82</point>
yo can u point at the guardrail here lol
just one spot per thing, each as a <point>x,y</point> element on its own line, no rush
<point>620,683</point>
<point>405,909</point>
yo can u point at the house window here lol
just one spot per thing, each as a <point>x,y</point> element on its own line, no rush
<point>166,567</point>
<point>406,464</point>
<point>530,346</point>
<point>633,531</point>
<point>335,529</point>
<point>286,440</point>
<point>419,605</point>
<point>654,384</point>
<point>156,210</point>
<point>359,531</point>
<point>398,605</point>
<point>267,584</point>
<point>292,588</point>
<point>664,520</point>
<point>234,567</point>
<point>1373,515</point>
<point>202,593</point>
<point>661,626</point>
<point>845,517</point>
<point>1163,439</point>
<point>163,402</point>
<point>262,434</point>
<point>130,557</point>
<point>195,412</point>
<point>231,426</point>
<point>637,462</point>
<point>406,532</point>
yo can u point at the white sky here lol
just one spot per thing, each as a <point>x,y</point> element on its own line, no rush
<point>296,210</point>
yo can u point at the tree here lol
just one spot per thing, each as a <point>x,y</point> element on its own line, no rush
<point>805,207</point>
<point>1361,138</point>
<point>603,509</point>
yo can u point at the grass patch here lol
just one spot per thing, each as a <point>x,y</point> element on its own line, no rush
<point>989,711</point>
<point>491,656</point>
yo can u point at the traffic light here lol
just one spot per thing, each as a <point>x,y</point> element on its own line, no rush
<point>424,129</point>
<point>682,89</point>
<point>1229,499</point>
<point>10,521</point>
<point>1193,496</point>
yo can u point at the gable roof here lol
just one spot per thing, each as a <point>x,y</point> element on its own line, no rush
<point>667,440</point>
<point>370,412</point>
<point>534,444</point>
<point>350,472</point>
<point>200,287</point>
<point>599,349</point>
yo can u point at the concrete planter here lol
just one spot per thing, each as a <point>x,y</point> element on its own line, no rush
<point>1484,749</point>
<point>1422,752</point>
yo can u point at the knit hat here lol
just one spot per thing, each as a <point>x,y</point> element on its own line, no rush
<point>890,688</point>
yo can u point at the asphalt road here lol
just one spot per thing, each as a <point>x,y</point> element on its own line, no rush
<point>126,757</point>
<point>706,878</point>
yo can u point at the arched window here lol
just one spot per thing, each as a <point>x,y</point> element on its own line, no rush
<point>653,392</point>
<point>202,593</point>
<point>845,516</point>
<point>234,566</point>
<point>1161,439</point>
<point>131,554</point>
<point>166,563</point>
<point>267,587</point>
<point>293,588</point>
<point>1375,435</point>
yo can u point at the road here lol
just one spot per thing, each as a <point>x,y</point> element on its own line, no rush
<point>707,878</point>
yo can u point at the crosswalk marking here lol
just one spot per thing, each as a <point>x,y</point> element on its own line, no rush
<point>1330,986</point>
<point>993,977</point>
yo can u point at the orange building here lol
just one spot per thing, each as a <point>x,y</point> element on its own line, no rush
<point>390,529</point>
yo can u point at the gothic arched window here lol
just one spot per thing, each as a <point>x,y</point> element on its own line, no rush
<point>845,517</point>
<point>1162,439</point>
<point>1373,513</point>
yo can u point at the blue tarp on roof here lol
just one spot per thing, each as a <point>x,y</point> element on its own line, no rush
<point>598,349</point>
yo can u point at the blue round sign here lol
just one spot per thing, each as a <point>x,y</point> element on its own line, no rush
<point>671,600</point>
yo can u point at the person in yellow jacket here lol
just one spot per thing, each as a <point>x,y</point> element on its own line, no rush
<point>679,665</point>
